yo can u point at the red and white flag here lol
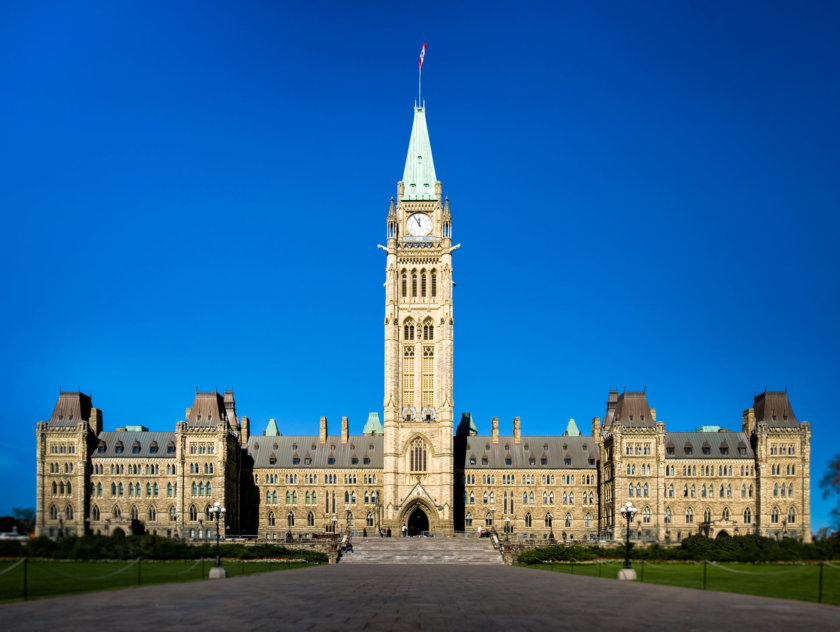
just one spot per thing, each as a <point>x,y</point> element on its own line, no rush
<point>422,55</point>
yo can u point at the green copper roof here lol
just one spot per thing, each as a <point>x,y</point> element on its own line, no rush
<point>271,430</point>
<point>419,175</point>
<point>571,429</point>
<point>373,425</point>
<point>467,426</point>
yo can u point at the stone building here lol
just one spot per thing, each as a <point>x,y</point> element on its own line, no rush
<point>415,468</point>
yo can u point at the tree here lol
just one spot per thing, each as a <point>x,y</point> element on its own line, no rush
<point>830,484</point>
<point>25,519</point>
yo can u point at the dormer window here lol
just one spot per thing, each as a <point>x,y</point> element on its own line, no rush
<point>507,460</point>
<point>484,460</point>
<point>366,460</point>
<point>472,460</point>
<point>331,460</point>
<point>543,461</point>
<point>119,447</point>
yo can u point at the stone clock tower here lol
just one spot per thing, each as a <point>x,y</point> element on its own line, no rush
<point>418,463</point>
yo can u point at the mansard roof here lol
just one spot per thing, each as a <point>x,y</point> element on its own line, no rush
<point>721,445</point>
<point>142,442</point>
<point>208,409</point>
<point>286,449</point>
<point>581,452</point>
<point>632,410</point>
<point>70,410</point>
<point>773,408</point>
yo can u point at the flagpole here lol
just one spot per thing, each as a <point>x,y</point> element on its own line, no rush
<point>419,86</point>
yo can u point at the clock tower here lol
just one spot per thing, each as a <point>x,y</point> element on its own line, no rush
<point>418,464</point>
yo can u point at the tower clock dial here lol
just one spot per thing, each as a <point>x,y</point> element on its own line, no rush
<point>419,225</point>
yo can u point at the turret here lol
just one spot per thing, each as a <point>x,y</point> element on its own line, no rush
<point>345,430</point>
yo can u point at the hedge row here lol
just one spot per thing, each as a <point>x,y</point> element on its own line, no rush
<point>153,547</point>
<point>742,548</point>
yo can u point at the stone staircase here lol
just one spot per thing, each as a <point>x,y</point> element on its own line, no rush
<point>420,550</point>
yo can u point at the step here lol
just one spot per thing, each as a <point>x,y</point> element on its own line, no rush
<point>421,551</point>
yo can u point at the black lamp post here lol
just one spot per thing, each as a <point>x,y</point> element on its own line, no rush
<point>289,517</point>
<point>216,512</point>
<point>628,511</point>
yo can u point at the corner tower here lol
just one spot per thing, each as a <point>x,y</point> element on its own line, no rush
<point>418,402</point>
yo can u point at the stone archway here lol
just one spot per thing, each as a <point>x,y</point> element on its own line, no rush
<point>418,522</point>
<point>418,515</point>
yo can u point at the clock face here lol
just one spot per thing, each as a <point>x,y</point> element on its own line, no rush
<point>419,224</point>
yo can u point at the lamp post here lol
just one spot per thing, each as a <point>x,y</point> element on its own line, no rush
<point>216,512</point>
<point>334,520</point>
<point>289,518</point>
<point>347,519</point>
<point>507,529</point>
<point>628,511</point>
<point>493,517</point>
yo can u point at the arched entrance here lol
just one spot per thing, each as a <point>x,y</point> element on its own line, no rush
<point>418,522</point>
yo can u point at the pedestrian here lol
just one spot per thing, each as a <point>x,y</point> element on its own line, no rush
<point>389,532</point>
<point>404,531</point>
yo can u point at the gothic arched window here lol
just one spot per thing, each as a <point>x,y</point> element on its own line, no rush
<point>423,284</point>
<point>414,285</point>
<point>417,456</point>
<point>404,285</point>
<point>791,517</point>
<point>408,330</point>
<point>707,515</point>
<point>747,516</point>
<point>528,519</point>
<point>667,515</point>
<point>270,518</point>
<point>434,284</point>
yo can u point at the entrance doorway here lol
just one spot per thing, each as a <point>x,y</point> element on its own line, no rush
<point>418,522</point>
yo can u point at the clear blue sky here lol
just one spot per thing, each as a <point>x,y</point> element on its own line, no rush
<point>192,194</point>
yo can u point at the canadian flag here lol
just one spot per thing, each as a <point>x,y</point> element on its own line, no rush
<point>422,55</point>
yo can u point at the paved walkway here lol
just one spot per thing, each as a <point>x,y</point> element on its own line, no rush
<point>422,597</point>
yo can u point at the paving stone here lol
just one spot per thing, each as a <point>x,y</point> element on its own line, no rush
<point>415,597</point>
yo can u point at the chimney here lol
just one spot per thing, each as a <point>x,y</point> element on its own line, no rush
<point>748,421</point>
<point>495,431</point>
<point>95,421</point>
<point>323,437</point>
<point>188,414</point>
<point>246,430</point>
<point>653,414</point>
<point>517,431</point>
<point>345,430</point>
<point>596,429</point>
<point>230,409</point>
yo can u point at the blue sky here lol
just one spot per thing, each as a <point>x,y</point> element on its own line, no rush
<point>192,194</point>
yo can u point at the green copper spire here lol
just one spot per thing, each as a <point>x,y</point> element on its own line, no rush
<point>419,176</point>
<point>571,429</point>
<point>271,430</point>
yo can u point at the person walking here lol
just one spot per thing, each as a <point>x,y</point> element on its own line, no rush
<point>404,531</point>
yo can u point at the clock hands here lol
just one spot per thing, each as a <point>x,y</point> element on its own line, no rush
<point>418,221</point>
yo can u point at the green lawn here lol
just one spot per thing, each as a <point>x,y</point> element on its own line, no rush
<point>787,581</point>
<point>48,578</point>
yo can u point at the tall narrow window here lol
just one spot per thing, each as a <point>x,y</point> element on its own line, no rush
<point>414,285</point>
<point>417,456</point>
<point>404,285</point>
<point>408,377</point>
<point>428,376</point>
<point>408,330</point>
<point>423,284</point>
<point>434,284</point>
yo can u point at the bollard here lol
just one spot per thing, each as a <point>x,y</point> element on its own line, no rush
<point>819,596</point>
<point>704,574</point>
